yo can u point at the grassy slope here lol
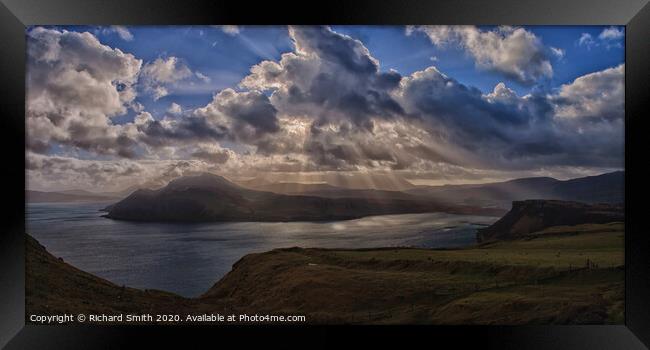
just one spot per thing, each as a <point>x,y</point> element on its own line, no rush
<point>541,279</point>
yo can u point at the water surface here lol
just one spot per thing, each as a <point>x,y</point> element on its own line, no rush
<point>188,259</point>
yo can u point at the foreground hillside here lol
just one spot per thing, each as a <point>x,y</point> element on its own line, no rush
<point>566,275</point>
<point>560,275</point>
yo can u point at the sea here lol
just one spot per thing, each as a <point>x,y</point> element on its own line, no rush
<point>187,259</point>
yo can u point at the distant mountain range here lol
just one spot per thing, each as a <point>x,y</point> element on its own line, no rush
<point>605,188</point>
<point>209,197</point>
<point>219,199</point>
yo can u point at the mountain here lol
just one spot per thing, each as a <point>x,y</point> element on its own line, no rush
<point>209,197</point>
<point>66,196</point>
<point>530,216</point>
<point>605,188</point>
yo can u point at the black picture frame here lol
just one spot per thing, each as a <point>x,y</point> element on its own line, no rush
<point>15,15</point>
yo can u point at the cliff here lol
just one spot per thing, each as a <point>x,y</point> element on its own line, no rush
<point>530,216</point>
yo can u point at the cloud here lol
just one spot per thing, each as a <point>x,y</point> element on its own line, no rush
<point>47,172</point>
<point>329,76</point>
<point>611,33</point>
<point>166,71</point>
<point>502,130</point>
<point>324,106</point>
<point>75,85</point>
<point>175,109</point>
<point>596,96</point>
<point>229,29</point>
<point>514,52</point>
<point>244,116</point>
<point>212,153</point>
<point>609,37</point>
<point>161,72</point>
<point>204,78</point>
<point>559,53</point>
<point>586,40</point>
<point>333,82</point>
<point>123,32</point>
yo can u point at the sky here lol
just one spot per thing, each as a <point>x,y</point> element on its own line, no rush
<point>111,107</point>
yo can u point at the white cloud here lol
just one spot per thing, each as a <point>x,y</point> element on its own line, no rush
<point>204,78</point>
<point>586,40</point>
<point>143,118</point>
<point>161,72</point>
<point>166,71</point>
<point>609,37</point>
<point>502,93</point>
<point>598,95</point>
<point>514,52</point>
<point>175,109</point>
<point>558,52</point>
<point>611,33</point>
<point>229,29</point>
<point>123,32</point>
<point>75,85</point>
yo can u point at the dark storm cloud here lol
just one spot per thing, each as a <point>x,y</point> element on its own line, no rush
<point>330,76</point>
<point>248,110</point>
<point>218,157</point>
<point>97,139</point>
<point>504,130</point>
<point>246,117</point>
<point>187,129</point>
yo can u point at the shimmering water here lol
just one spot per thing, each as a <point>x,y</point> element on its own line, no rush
<point>188,259</point>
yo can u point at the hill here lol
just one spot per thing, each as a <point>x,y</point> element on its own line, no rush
<point>209,197</point>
